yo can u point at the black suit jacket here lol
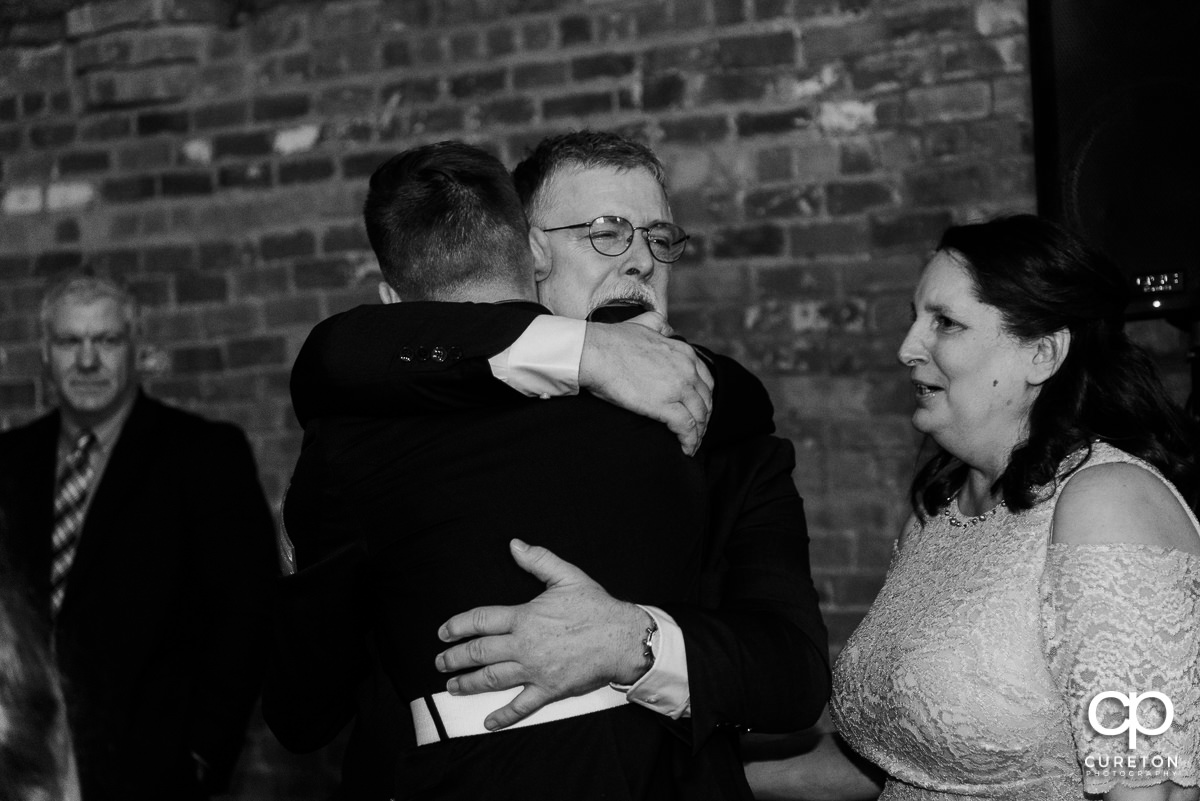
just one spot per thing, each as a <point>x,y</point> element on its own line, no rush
<point>159,638</point>
<point>756,645</point>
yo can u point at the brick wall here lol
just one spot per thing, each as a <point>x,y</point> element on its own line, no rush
<point>216,157</point>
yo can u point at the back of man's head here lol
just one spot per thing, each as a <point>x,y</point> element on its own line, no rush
<point>579,150</point>
<point>444,219</point>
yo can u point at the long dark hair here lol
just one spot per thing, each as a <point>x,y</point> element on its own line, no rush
<point>1042,279</point>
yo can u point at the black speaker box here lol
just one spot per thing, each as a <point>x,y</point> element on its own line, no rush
<point>1116,89</point>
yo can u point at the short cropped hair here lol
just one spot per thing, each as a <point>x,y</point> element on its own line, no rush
<point>445,217</point>
<point>580,150</point>
<point>85,288</point>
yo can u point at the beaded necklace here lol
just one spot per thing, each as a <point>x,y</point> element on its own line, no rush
<point>968,522</point>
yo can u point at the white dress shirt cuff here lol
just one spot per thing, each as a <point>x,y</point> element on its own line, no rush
<point>664,688</point>
<point>544,361</point>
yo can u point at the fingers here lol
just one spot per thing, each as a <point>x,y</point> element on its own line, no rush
<point>474,653</point>
<point>655,322</point>
<point>477,621</point>
<point>543,564</point>
<point>530,700</point>
<point>487,679</point>
<point>682,423</point>
<point>706,378</point>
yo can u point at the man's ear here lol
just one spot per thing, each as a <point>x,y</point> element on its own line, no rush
<point>1050,353</point>
<point>539,244</point>
<point>387,294</point>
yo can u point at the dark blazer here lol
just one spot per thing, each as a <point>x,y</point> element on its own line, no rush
<point>756,645</point>
<point>159,638</point>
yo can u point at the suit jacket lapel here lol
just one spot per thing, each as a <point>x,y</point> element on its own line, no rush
<point>131,458</point>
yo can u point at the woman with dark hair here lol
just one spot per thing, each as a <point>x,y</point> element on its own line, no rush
<point>1038,634</point>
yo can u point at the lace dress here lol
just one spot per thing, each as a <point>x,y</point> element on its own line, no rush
<point>972,673</point>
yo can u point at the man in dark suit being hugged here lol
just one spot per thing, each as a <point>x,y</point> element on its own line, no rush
<point>419,512</point>
<point>143,539</point>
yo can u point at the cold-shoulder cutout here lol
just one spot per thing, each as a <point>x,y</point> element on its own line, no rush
<point>1122,502</point>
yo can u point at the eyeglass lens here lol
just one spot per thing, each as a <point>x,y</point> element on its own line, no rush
<point>612,236</point>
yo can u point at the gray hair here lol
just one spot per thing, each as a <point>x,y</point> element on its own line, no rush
<point>86,289</point>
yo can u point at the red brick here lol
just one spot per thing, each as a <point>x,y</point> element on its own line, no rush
<point>465,46</point>
<point>846,198</point>
<point>760,240</point>
<point>578,105</point>
<point>52,136</point>
<point>396,53</point>
<point>280,107</point>
<point>82,161</point>
<point>32,103</point>
<point>306,170</point>
<point>358,165</point>
<point>168,258</point>
<point>66,232</point>
<point>194,288</point>
<point>529,76</point>
<point>500,41</point>
<point>271,280</point>
<point>255,351</point>
<point>477,83</point>
<point>151,292</point>
<point>322,274</point>
<point>774,122</point>
<point>946,186</point>
<point>299,311</point>
<point>252,143</point>
<point>186,184</point>
<point>610,65</point>
<point>221,115</point>
<point>344,238</point>
<point>961,101</point>
<point>188,360</point>
<point>336,58</point>
<point>413,90</point>
<point>117,262</point>
<point>760,50</point>
<point>791,201</point>
<point>56,262</point>
<point>287,245</point>
<point>913,229</point>
<point>255,175</point>
<point>511,111</point>
<point>663,91</point>
<point>695,130</point>
<point>574,30</point>
<point>234,319</point>
<point>156,122</point>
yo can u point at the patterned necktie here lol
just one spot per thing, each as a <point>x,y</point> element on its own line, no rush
<point>70,496</point>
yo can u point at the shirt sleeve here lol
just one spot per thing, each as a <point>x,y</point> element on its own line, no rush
<point>544,360</point>
<point>664,687</point>
<point>1120,618</point>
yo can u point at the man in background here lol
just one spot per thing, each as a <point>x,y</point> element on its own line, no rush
<point>144,541</point>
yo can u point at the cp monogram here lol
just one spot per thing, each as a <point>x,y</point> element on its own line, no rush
<point>1132,724</point>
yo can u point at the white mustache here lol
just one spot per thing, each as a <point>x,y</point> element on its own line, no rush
<point>634,293</point>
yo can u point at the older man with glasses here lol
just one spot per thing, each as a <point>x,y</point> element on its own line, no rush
<point>748,650</point>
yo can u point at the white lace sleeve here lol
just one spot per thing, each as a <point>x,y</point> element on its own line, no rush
<point>1125,618</point>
